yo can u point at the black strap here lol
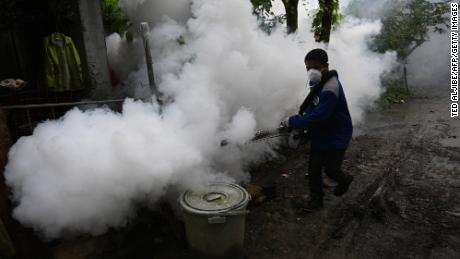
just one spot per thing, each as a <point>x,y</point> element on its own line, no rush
<point>316,90</point>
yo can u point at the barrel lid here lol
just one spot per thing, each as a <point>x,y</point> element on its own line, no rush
<point>215,198</point>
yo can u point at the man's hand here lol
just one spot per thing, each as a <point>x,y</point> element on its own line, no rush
<point>284,126</point>
<point>293,118</point>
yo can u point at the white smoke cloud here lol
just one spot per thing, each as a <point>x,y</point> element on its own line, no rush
<point>242,127</point>
<point>87,171</point>
<point>359,68</point>
<point>434,54</point>
<point>152,11</point>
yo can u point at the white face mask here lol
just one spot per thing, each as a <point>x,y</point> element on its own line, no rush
<point>314,76</point>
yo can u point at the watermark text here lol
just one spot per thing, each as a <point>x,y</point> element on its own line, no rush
<point>454,60</point>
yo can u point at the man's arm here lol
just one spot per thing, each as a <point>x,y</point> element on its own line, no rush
<point>327,103</point>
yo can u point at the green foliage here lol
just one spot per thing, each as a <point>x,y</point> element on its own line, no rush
<point>180,40</point>
<point>267,19</point>
<point>115,19</point>
<point>261,6</point>
<point>405,29</point>
<point>395,93</point>
<point>324,8</point>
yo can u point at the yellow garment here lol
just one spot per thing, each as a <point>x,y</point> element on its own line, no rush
<point>63,70</point>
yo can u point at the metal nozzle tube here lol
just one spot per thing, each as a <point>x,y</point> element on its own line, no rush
<point>144,29</point>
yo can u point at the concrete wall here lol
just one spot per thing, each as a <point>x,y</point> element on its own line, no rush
<point>94,47</point>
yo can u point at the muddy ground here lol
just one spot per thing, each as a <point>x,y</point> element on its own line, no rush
<point>403,203</point>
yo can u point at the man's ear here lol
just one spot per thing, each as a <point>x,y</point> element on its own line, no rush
<point>324,69</point>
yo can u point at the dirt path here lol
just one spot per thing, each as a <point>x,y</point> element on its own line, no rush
<point>404,202</point>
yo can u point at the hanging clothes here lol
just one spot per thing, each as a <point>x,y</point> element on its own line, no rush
<point>63,71</point>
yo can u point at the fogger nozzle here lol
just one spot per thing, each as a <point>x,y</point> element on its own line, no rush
<point>265,134</point>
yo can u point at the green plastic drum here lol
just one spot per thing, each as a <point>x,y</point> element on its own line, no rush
<point>214,220</point>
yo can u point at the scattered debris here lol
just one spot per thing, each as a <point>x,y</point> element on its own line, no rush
<point>260,194</point>
<point>14,84</point>
<point>453,213</point>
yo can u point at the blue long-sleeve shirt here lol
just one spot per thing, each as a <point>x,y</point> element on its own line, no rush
<point>327,119</point>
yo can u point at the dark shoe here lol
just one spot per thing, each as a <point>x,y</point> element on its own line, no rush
<point>314,204</point>
<point>342,188</point>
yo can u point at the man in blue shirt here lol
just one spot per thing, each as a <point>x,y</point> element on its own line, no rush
<point>324,113</point>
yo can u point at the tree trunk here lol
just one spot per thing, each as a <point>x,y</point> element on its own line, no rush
<point>326,22</point>
<point>405,76</point>
<point>291,14</point>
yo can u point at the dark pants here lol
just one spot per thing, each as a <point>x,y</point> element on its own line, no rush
<point>331,161</point>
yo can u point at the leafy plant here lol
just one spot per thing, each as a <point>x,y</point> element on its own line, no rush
<point>394,94</point>
<point>115,19</point>
<point>326,18</point>
<point>262,6</point>
<point>267,19</point>
<point>180,40</point>
<point>406,28</point>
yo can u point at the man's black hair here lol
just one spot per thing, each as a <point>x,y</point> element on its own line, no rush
<point>317,54</point>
